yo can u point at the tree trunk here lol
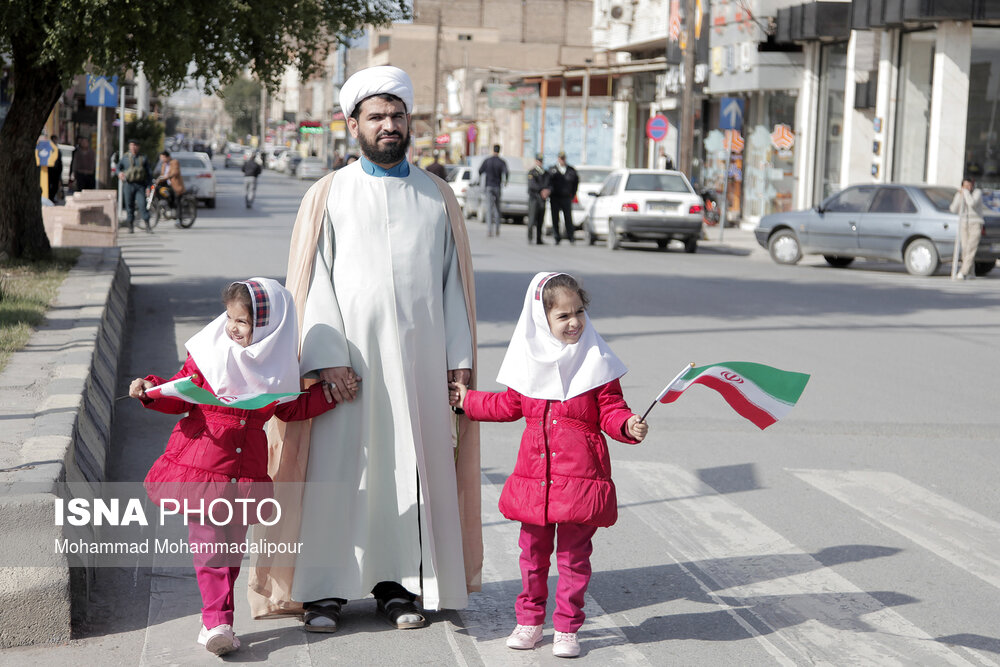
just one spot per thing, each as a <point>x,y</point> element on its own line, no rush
<point>36,90</point>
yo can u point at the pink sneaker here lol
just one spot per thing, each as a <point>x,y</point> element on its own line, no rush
<point>220,640</point>
<point>524,637</point>
<point>565,645</point>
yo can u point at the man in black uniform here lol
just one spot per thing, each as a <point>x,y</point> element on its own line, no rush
<point>563,180</point>
<point>538,192</point>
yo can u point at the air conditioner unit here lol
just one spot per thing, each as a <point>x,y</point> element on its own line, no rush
<point>621,12</point>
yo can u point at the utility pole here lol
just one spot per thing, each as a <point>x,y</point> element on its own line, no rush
<point>262,130</point>
<point>435,118</point>
<point>687,94</point>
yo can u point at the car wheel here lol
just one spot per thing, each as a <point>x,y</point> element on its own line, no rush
<point>838,261</point>
<point>662,244</point>
<point>784,247</point>
<point>691,245</point>
<point>210,203</point>
<point>982,268</point>
<point>614,243</point>
<point>517,219</point>
<point>921,258</point>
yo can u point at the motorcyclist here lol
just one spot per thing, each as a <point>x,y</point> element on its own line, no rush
<point>251,170</point>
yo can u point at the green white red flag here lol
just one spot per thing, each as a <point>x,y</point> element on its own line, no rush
<point>186,390</point>
<point>760,393</point>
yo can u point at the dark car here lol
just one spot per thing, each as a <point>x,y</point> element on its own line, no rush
<point>901,223</point>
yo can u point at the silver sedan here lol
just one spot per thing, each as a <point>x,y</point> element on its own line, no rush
<point>902,223</point>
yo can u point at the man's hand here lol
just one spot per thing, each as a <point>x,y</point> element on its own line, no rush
<point>460,375</point>
<point>342,381</point>
<point>456,394</point>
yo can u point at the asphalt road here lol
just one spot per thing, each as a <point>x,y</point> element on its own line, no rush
<point>861,530</point>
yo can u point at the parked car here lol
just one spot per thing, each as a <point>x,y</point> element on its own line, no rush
<point>513,198</point>
<point>591,181</point>
<point>273,156</point>
<point>897,222</point>
<point>459,181</point>
<point>645,205</point>
<point>197,170</point>
<point>311,167</point>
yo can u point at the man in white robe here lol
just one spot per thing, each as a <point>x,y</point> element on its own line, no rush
<point>380,507</point>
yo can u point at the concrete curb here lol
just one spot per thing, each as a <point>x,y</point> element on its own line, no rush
<point>56,406</point>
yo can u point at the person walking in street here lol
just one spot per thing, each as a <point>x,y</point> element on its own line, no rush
<point>968,204</point>
<point>494,173</point>
<point>564,380</point>
<point>380,268</point>
<point>220,452</point>
<point>538,192</point>
<point>84,166</point>
<point>133,171</point>
<point>436,167</point>
<point>251,170</point>
<point>563,180</point>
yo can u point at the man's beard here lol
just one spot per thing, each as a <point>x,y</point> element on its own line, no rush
<point>391,154</point>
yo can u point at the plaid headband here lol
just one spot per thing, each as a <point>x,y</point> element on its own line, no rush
<point>261,306</point>
<point>541,284</point>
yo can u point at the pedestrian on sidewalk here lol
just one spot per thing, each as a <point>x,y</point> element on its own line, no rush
<point>968,204</point>
<point>564,380</point>
<point>134,172</point>
<point>218,452</point>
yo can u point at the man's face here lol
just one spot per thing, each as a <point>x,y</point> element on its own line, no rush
<point>164,159</point>
<point>133,149</point>
<point>968,185</point>
<point>383,130</point>
<point>84,143</point>
<point>562,161</point>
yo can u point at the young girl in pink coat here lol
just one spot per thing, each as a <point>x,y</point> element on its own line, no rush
<point>221,452</point>
<point>563,379</point>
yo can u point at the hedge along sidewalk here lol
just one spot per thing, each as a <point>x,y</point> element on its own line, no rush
<point>56,407</point>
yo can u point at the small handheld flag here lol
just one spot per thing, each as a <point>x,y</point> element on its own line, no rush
<point>760,393</point>
<point>186,390</point>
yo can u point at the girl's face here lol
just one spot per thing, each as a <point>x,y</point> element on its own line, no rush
<point>566,316</point>
<point>238,325</point>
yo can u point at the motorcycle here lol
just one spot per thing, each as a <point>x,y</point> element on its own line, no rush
<point>184,210</point>
<point>710,215</point>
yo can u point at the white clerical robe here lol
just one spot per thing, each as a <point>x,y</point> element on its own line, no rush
<point>385,298</point>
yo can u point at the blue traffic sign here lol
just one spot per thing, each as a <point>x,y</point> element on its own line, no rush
<point>43,150</point>
<point>731,114</point>
<point>101,92</point>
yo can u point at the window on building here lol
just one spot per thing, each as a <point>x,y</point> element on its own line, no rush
<point>982,133</point>
<point>913,107</point>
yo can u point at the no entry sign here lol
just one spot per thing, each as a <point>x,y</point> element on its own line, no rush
<point>657,127</point>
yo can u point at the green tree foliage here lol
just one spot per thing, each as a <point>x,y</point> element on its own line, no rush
<point>241,100</point>
<point>50,41</point>
<point>149,133</point>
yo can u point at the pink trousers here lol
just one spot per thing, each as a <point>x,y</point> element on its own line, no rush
<point>573,561</point>
<point>216,573</point>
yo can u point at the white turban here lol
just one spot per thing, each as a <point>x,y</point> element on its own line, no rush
<point>376,81</point>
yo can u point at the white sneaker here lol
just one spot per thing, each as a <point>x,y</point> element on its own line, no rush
<point>219,640</point>
<point>524,637</point>
<point>565,645</point>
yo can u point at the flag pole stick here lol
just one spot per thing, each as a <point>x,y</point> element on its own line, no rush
<point>657,400</point>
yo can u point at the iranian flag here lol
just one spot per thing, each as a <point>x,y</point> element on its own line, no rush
<point>760,393</point>
<point>186,390</point>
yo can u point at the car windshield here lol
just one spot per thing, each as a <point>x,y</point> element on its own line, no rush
<point>592,175</point>
<point>656,183</point>
<point>940,197</point>
<point>454,176</point>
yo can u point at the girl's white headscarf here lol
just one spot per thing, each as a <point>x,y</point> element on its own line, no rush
<point>539,365</point>
<point>269,365</point>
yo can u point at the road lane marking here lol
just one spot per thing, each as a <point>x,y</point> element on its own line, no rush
<point>798,610</point>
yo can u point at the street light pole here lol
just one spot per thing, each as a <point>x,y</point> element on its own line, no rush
<point>687,95</point>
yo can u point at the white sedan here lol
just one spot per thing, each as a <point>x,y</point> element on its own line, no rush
<point>197,171</point>
<point>645,205</point>
<point>311,167</point>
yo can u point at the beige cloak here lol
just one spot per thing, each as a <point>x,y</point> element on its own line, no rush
<point>271,577</point>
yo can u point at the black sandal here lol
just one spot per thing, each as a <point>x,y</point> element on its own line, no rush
<point>393,610</point>
<point>330,610</point>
